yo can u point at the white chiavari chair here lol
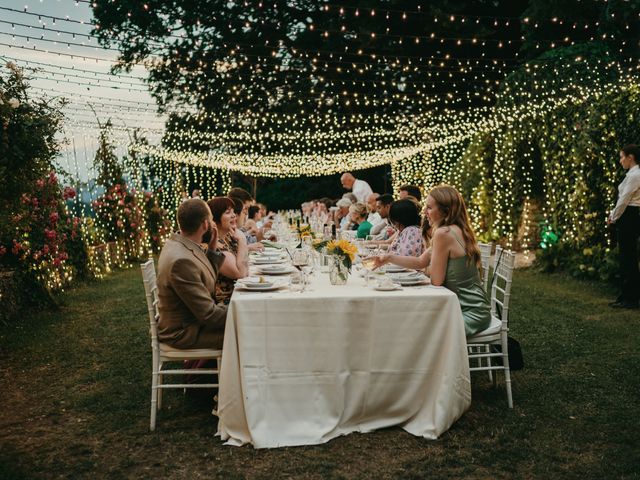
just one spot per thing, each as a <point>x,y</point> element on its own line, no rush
<point>163,354</point>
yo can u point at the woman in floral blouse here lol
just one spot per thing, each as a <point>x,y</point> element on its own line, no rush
<point>404,216</point>
<point>232,242</point>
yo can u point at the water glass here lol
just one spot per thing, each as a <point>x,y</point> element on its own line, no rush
<point>296,281</point>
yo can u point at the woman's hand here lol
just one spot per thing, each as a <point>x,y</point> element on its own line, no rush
<point>239,236</point>
<point>256,247</point>
<point>381,260</point>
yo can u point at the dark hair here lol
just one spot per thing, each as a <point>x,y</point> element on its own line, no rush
<point>191,213</point>
<point>385,199</point>
<point>241,194</point>
<point>253,209</point>
<point>238,205</point>
<point>412,190</point>
<point>218,206</point>
<point>632,149</point>
<point>405,213</point>
<point>327,202</point>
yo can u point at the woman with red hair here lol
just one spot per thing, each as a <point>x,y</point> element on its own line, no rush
<point>233,243</point>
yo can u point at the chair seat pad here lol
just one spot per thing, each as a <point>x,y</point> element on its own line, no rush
<point>494,328</point>
<point>186,353</point>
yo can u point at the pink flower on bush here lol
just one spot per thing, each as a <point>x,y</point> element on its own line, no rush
<point>17,247</point>
<point>45,249</point>
<point>50,235</point>
<point>40,183</point>
<point>52,178</point>
<point>53,218</point>
<point>68,193</point>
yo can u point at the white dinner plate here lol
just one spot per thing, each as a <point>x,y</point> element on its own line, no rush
<point>270,287</point>
<point>387,288</point>
<point>277,269</point>
<point>267,261</point>
<point>394,269</point>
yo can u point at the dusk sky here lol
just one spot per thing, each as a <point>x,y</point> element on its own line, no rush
<point>53,36</point>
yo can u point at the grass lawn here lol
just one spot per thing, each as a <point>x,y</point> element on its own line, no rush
<point>75,390</point>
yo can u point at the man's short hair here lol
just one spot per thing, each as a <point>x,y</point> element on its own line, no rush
<point>632,149</point>
<point>238,205</point>
<point>191,213</point>
<point>412,190</point>
<point>241,194</point>
<point>385,199</point>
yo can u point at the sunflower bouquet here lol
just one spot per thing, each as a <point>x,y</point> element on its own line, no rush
<point>344,250</point>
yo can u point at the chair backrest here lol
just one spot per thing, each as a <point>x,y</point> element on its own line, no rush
<point>485,258</point>
<point>504,262</point>
<point>151,292</point>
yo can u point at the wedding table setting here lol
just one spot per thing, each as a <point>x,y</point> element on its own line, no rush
<point>308,357</point>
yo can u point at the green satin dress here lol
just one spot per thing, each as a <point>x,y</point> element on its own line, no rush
<point>463,279</point>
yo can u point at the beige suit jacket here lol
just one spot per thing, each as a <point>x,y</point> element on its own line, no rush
<point>186,288</point>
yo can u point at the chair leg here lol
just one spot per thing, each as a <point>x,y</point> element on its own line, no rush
<point>215,397</point>
<point>159,390</point>
<point>154,400</point>
<point>492,379</point>
<point>507,370</point>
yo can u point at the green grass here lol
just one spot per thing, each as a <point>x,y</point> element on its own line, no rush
<point>75,388</point>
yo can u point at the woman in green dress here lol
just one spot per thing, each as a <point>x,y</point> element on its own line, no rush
<point>453,258</point>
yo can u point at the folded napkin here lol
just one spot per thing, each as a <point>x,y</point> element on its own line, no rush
<point>269,243</point>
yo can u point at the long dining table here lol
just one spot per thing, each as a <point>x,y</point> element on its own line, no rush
<point>301,368</point>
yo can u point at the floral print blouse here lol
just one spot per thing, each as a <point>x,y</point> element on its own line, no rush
<point>408,243</point>
<point>224,285</point>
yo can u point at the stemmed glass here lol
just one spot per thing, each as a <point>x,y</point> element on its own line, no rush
<point>368,263</point>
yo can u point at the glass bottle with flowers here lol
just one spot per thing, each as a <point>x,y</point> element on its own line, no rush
<point>343,253</point>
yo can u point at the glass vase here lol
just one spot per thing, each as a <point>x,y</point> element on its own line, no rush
<point>338,272</point>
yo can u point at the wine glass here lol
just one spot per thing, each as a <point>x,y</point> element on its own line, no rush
<point>368,263</point>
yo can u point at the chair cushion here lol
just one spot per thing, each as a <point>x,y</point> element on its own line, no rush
<point>185,353</point>
<point>494,328</point>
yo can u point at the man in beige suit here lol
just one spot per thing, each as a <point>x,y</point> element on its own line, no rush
<point>187,273</point>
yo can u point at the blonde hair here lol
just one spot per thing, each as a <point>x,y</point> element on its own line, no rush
<point>454,212</point>
<point>359,209</point>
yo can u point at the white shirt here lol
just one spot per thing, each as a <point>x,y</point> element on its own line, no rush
<point>374,218</point>
<point>628,193</point>
<point>361,190</point>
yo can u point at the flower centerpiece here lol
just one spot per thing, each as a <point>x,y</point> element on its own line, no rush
<point>305,231</point>
<point>343,253</point>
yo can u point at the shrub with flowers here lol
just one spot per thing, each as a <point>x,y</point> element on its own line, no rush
<point>40,234</point>
<point>120,215</point>
<point>159,222</point>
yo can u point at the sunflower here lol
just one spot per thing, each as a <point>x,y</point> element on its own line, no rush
<point>344,249</point>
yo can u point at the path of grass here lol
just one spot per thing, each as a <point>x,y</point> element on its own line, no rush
<point>74,390</point>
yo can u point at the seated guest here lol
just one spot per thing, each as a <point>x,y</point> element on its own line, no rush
<point>187,274</point>
<point>383,230</point>
<point>241,210</point>
<point>410,191</point>
<point>232,243</point>
<point>453,259</point>
<point>341,215</point>
<point>358,214</point>
<point>251,224</point>
<point>404,217</point>
<point>374,217</point>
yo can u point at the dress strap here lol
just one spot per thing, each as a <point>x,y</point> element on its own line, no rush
<point>458,239</point>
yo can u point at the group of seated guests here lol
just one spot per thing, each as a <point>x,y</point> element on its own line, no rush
<point>436,237</point>
<point>199,265</point>
<point>382,218</point>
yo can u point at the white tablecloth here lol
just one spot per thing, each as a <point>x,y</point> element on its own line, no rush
<point>303,368</point>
